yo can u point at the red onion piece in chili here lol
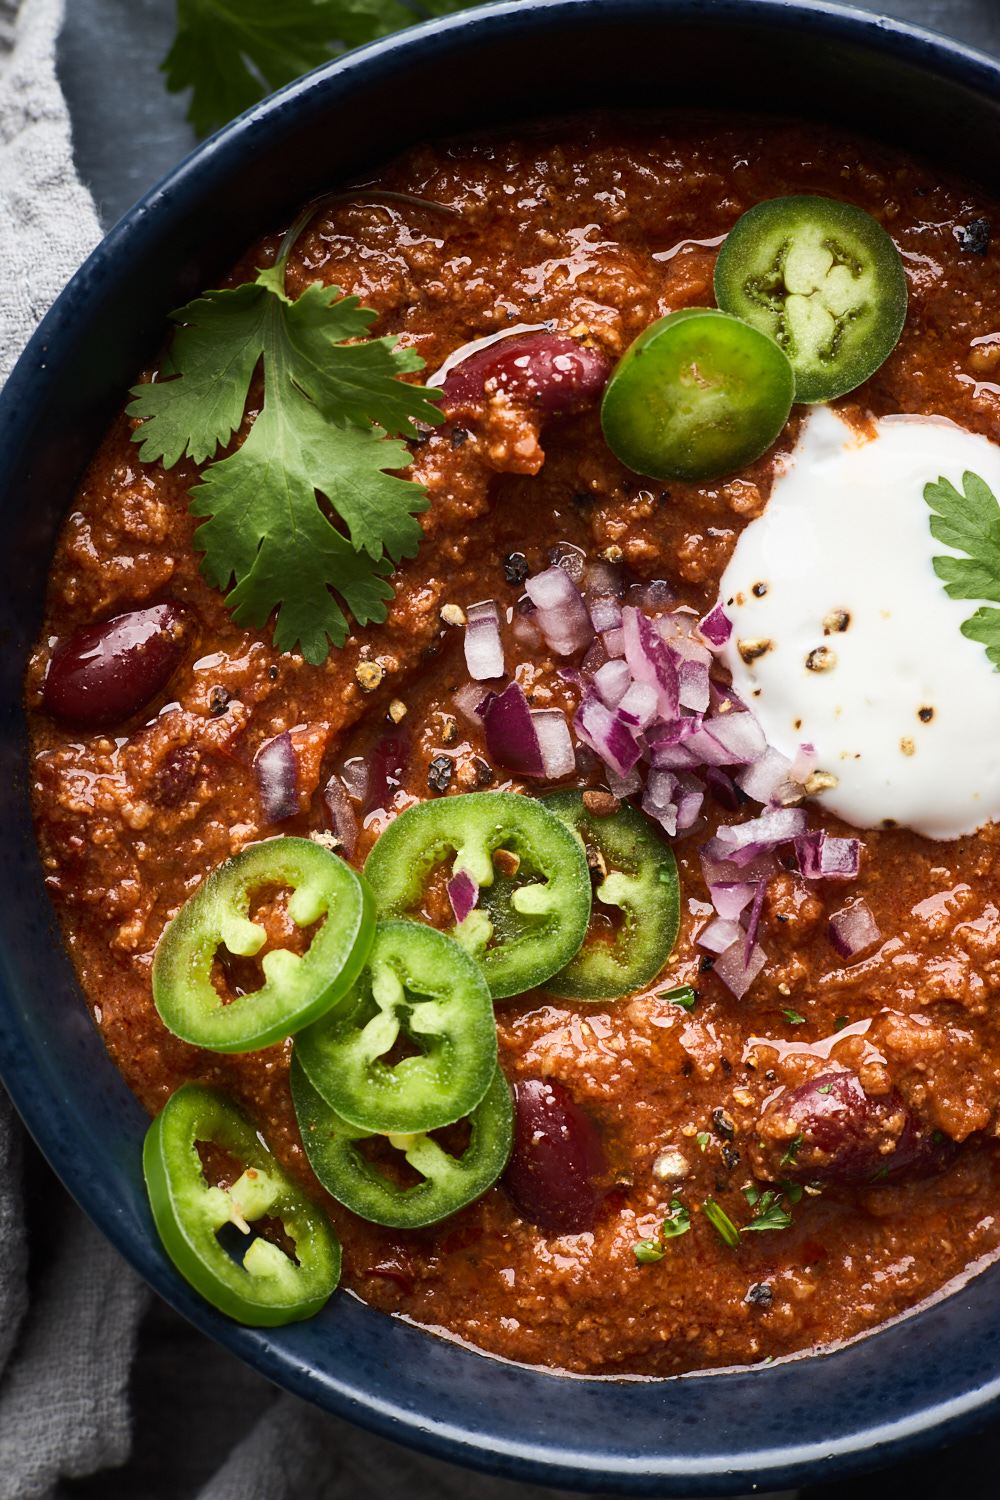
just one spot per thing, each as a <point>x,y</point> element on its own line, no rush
<point>689,802</point>
<point>761,779</point>
<point>734,970</point>
<point>731,897</point>
<point>463,893</point>
<point>773,827</point>
<point>650,660</point>
<point>560,612</point>
<point>552,373</point>
<point>614,642</point>
<point>354,775</point>
<point>693,685</point>
<point>557,1160</point>
<point>740,736</point>
<point>570,558</point>
<point>554,742</point>
<point>483,646</point>
<point>715,868</point>
<point>658,799</point>
<point>612,682</point>
<point>511,737</point>
<point>754,921</point>
<point>823,858</point>
<point>723,789</point>
<point>637,707</point>
<point>340,815</point>
<point>277,770</point>
<point>526,633</point>
<point>715,627</point>
<point>467,700</point>
<point>107,672</point>
<point>622,786</point>
<point>387,767</point>
<point>598,728</point>
<point>854,929</point>
<point>674,758</point>
<point>605,613</point>
<point>719,934</point>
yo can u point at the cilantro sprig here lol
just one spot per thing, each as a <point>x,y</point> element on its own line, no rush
<point>969,521</point>
<point>233,52</point>
<point>330,410</point>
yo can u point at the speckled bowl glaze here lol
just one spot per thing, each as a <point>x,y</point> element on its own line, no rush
<point>926,1379</point>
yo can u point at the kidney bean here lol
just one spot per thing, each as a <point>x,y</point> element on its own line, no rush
<point>552,1178</point>
<point>107,672</point>
<point>848,1137</point>
<point>553,373</point>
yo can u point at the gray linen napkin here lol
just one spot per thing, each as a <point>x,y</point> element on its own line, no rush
<point>65,1358</point>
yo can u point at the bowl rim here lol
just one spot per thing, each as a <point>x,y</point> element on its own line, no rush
<point>463,1434</point>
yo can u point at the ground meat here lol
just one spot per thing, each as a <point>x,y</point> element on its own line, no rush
<point>594,229</point>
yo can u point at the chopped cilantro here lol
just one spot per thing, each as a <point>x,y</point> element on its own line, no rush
<point>678,1220</point>
<point>769,1215</point>
<point>970,523</point>
<point>751,1193</point>
<point>722,1224</point>
<point>703,1139</point>
<point>792,1152</point>
<point>791,1190</point>
<point>233,52</point>
<point>840,1023</point>
<point>826,1088</point>
<point>328,408</point>
<point>683,995</point>
<point>793,1018</point>
<point>648,1252</point>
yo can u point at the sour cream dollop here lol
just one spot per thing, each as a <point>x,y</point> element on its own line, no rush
<point>844,638</point>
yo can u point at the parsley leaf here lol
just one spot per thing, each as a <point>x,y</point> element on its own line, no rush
<point>677,1222</point>
<point>327,409</point>
<point>683,996</point>
<point>233,52</point>
<point>703,1140</point>
<point>794,1018</point>
<point>648,1252</point>
<point>769,1215</point>
<point>969,522</point>
<point>792,1152</point>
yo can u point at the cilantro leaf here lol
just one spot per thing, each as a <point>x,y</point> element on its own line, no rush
<point>794,1017</point>
<point>321,430</point>
<point>770,1216</point>
<point>969,521</point>
<point>677,1222</point>
<point>683,995</point>
<point>792,1152</point>
<point>233,52</point>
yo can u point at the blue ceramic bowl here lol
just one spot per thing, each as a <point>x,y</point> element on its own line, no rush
<point>926,1379</point>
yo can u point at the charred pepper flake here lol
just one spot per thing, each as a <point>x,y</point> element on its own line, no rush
<point>219,701</point>
<point>458,436</point>
<point>925,715</point>
<point>439,773</point>
<point>706,962</point>
<point>724,1125</point>
<point>515,568</point>
<point>272,673</point>
<point>730,1158</point>
<point>759,590</point>
<point>759,1294</point>
<point>974,238</point>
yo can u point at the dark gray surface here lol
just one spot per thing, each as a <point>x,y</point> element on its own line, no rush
<point>192,1400</point>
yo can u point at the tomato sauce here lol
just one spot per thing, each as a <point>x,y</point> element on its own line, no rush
<point>595,229</point>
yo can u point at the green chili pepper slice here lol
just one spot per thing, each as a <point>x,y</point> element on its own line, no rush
<point>421,984</point>
<point>821,278</point>
<point>528,923</point>
<point>642,882</point>
<point>449,1182</point>
<point>296,990</point>
<point>268,1288</point>
<point>697,395</point>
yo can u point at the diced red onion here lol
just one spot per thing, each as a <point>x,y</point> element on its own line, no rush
<point>823,858</point>
<point>777,827</point>
<point>467,700</point>
<point>754,922</point>
<point>803,765</point>
<point>725,701</point>
<point>658,799</point>
<point>673,731</point>
<point>707,748</point>
<point>760,779</point>
<point>387,766</point>
<point>674,758</point>
<point>690,800</point>
<point>560,612</point>
<point>511,737</point>
<point>723,789</point>
<point>734,970</point>
<point>715,627</point>
<point>715,868</point>
<point>341,817</point>
<point>692,683</point>
<point>649,659</point>
<point>614,642</point>
<point>854,929</point>
<point>598,728</point>
<point>740,736</point>
<point>605,613</point>
<point>463,893</point>
<point>277,770</point>
<point>354,774</point>
<point>612,682</point>
<point>622,786</point>
<point>526,633</point>
<point>638,705</point>
<point>554,742</point>
<point>483,646</point>
<point>729,897</point>
<point>656,595</point>
<point>569,557</point>
<point>719,935</point>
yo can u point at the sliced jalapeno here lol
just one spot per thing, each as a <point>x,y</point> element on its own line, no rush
<point>267,1287</point>
<point>641,881</point>
<point>422,984</point>
<point>697,395</point>
<point>534,902</point>
<point>296,989</point>
<point>449,1182</point>
<point>821,278</point>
